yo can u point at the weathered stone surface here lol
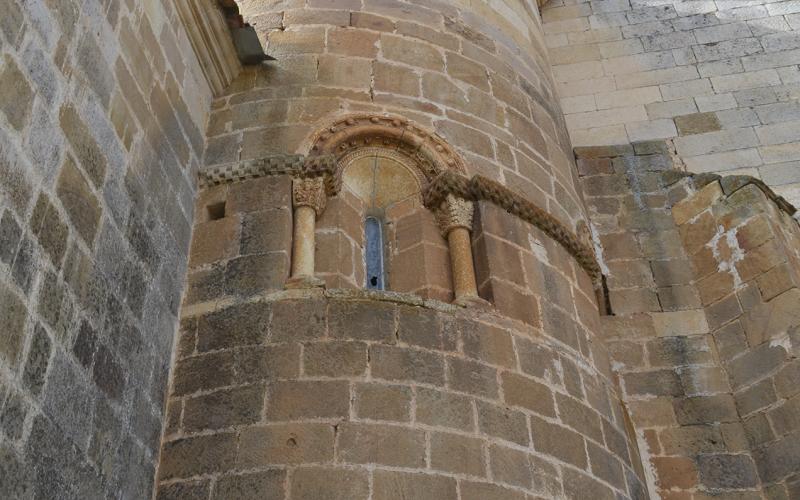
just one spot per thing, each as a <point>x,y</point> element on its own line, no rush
<point>198,455</point>
<point>444,409</point>
<point>13,314</point>
<point>292,400</point>
<point>223,409</point>
<point>401,364</point>
<point>238,325</point>
<point>78,200</point>
<point>266,485</point>
<point>16,98</point>
<point>727,471</point>
<point>382,444</point>
<point>310,483</point>
<point>384,402</point>
<point>279,444</point>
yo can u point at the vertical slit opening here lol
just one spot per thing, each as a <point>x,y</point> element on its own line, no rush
<point>216,211</point>
<point>373,230</point>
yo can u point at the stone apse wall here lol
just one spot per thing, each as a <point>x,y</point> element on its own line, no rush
<point>102,115</point>
<point>674,377</point>
<point>343,393</point>
<point>719,78</point>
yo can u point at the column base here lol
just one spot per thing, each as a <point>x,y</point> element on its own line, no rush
<point>473,302</point>
<point>301,282</point>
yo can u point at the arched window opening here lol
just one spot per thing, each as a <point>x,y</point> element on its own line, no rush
<point>377,235</point>
<point>375,249</point>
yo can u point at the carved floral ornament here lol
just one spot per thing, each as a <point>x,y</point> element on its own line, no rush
<point>309,192</point>
<point>455,212</point>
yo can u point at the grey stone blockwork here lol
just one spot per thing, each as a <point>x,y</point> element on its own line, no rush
<point>101,122</point>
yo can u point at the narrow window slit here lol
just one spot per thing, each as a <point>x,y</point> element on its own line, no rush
<point>373,231</point>
<point>216,211</point>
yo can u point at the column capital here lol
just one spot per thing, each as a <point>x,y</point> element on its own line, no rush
<point>455,212</point>
<point>309,192</point>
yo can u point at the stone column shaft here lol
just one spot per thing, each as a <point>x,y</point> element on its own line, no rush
<point>455,220</point>
<point>303,241</point>
<point>308,197</point>
<point>464,285</point>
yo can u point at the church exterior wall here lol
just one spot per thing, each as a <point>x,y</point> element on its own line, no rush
<point>475,75</point>
<point>103,110</point>
<point>703,282</point>
<point>344,393</point>
<point>183,311</point>
<point>719,79</point>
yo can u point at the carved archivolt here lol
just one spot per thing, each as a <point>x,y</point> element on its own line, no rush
<point>429,152</point>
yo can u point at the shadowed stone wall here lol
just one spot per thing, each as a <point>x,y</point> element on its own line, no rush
<point>719,78</point>
<point>102,117</point>
<point>703,276</point>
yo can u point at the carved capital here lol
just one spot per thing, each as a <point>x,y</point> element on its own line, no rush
<point>309,192</point>
<point>455,212</point>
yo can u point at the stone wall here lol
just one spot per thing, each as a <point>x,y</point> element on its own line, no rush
<point>102,117</point>
<point>474,72</point>
<point>310,394</point>
<point>721,78</point>
<point>702,277</point>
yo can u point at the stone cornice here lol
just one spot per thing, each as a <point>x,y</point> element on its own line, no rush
<point>479,188</point>
<point>297,166</point>
<point>207,28</point>
<point>732,183</point>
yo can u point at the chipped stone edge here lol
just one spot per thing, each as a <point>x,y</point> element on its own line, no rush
<point>732,183</point>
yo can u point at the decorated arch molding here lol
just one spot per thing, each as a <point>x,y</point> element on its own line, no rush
<point>430,154</point>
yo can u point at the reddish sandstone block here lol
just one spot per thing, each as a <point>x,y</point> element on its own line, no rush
<point>675,472</point>
<point>472,377</point>
<point>528,394</point>
<point>292,400</point>
<point>488,344</point>
<point>399,485</point>
<point>580,417</point>
<point>314,483</point>
<point>503,423</point>
<point>226,408</point>
<point>198,455</point>
<point>285,444</point>
<point>395,79</point>
<point>457,454</point>
<point>411,52</point>
<point>381,444</point>
<point>214,241</point>
<point>383,402</point>
<point>335,359</point>
<point>402,364</point>
<point>510,466</point>
<point>267,485</point>
<point>444,409</point>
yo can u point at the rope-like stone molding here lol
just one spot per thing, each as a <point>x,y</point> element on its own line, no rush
<point>480,188</point>
<point>299,166</point>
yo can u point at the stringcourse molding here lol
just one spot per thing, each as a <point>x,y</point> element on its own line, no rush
<point>480,188</point>
<point>430,152</point>
<point>298,166</point>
